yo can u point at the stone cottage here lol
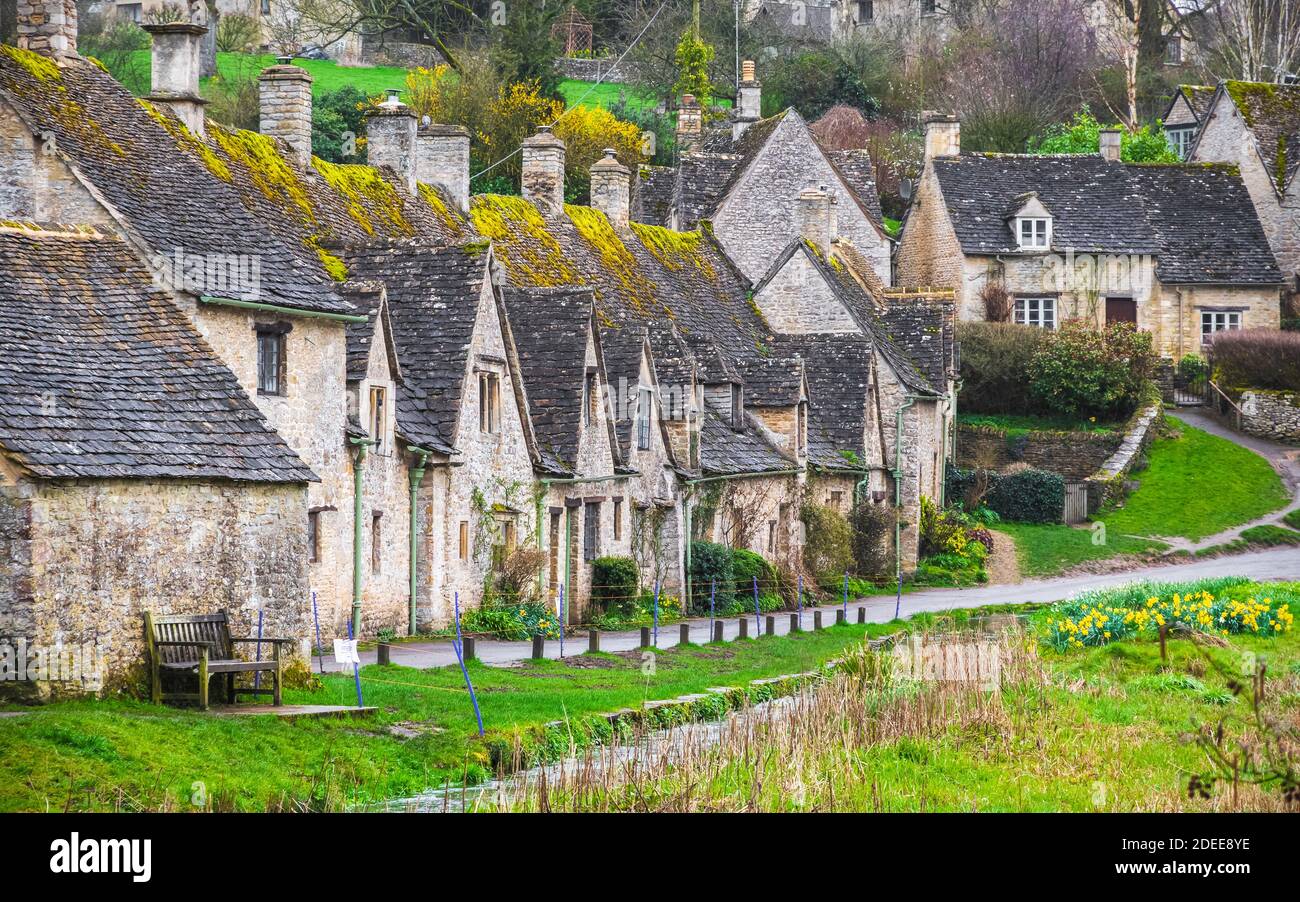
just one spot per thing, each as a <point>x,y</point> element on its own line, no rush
<point>1256,128</point>
<point>745,178</point>
<point>1175,249</point>
<point>135,472</point>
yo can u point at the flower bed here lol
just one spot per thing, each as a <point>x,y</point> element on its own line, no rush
<point>1081,622</point>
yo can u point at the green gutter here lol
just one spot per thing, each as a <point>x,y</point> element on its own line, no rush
<point>287,311</point>
<point>363,444</point>
<point>726,478</point>
<point>417,476</point>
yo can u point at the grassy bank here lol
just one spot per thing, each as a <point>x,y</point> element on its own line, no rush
<point>1098,728</point>
<point>1045,549</point>
<point>107,755</point>
<point>1023,424</point>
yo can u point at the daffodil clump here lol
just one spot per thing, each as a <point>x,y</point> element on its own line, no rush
<point>1079,623</point>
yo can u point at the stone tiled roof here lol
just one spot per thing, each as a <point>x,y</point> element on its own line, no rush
<point>838,369</point>
<point>1272,113</point>
<point>702,182</point>
<point>1095,206</point>
<point>1199,98</point>
<point>726,451</point>
<point>551,328</point>
<point>433,297</point>
<point>652,197</point>
<point>620,351</point>
<point>772,381</point>
<point>168,200</point>
<point>101,376</point>
<point>925,330</point>
<point>1206,224</point>
<point>854,167</point>
<point>818,19</point>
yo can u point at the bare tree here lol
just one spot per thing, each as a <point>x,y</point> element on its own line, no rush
<point>1253,40</point>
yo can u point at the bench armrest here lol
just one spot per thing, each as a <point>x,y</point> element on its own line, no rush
<point>266,639</point>
<point>194,643</point>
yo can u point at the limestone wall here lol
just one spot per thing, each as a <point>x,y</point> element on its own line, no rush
<point>36,185</point>
<point>1075,455</point>
<point>84,560</point>
<point>1271,414</point>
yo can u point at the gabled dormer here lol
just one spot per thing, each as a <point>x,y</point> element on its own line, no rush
<point>1031,223</point>
<point>373,371</point>
<point>778,403</point>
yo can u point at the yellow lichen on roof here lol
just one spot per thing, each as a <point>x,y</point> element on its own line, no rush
<point>596,229</point>
<point>522,242</point>
<point>454,224</point>
<point>187,140</point>
<point>675,250</point>
<point>333,265</point>
<point>256,154</point>
<point>39,67</point>
<point>367,195</point>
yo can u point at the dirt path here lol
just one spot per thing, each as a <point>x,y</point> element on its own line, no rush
<point>1003,564</point>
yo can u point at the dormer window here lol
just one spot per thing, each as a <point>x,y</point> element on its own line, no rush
<point>378,416</point>
<point>801,430</point>
<point>644,408</point>
<point>1035,233</point>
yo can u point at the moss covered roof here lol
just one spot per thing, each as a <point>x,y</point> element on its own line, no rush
<point>1272,113</point>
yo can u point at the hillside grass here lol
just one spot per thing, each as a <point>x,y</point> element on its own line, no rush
<point>1022,424</point>
<point>1045,549</point>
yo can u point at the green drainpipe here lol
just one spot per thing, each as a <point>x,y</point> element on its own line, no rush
<point>362,445</point>
<point>417,476</point>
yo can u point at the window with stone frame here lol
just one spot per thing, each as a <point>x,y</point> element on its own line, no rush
<point>376,543</point>
<point>644,409</point>
<point>378,416</point>
<point>1034,232</point>
<point>590,530</point>
<point>1180,140</point>
<point>489,402</point>
<point>771,536</point>
<point>463,543</point>
<point>618,519</point>
<point>270,359</point>
<point>313,536</point>
<point>590,398</point>
<point>1219,321</point>
<point>506,541</point>
<point>801,429</point>
<point>1174,51</point>
<point>1038,312</point>
<point>929,7</point>
<point>866,11</point>
<point>836,500</point>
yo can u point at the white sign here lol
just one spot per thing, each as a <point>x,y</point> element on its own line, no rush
<point>345,651</point>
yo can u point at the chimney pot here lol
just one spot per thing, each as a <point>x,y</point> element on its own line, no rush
<point>285,106</point>
<point>611,188</point>
<point>176,60</point>
<point>442,160</point>
<point>391,133</point>
<point>542,181</point>
<point>1111,144</point>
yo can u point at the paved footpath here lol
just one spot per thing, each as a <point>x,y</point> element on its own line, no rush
<point>1271,564</point>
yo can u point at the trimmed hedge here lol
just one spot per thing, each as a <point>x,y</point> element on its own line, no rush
<point>1026,496</point>
<point>1257,358</point>
<point>747,566</point>
<point>615,583</point>
<point>712,562</point>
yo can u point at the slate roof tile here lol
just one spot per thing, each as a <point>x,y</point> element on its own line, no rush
<point>1272,113</point>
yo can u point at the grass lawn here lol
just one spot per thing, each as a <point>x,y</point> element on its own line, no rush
<point>1044,549</point>
<point>1101,729</point>
<point>1197,485</point>
<point>1020,424</point>
<point>98,755</point>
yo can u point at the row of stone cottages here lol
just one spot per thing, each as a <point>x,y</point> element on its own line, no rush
<point>245,378</point>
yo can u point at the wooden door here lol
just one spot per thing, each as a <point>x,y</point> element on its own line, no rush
<point>1121,310</point>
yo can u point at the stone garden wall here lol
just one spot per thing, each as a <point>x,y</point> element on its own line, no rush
<point>1074,455</point>
<point>1271,414</point>
<point>1109,482</point>
<point>603,69</point>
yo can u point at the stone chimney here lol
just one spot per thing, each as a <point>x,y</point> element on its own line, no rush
<point>442,159</point>
<point>543,164</point>
<point>942,135</point>
<point>690,125</point>
<point>749,101</point>
<point>818,218</point>
<point>611,187</point>
<point>1110,144</point>
<point>284,106</point>
<point>177,57</point>
<point>47,27</point>
<point>390,132</point>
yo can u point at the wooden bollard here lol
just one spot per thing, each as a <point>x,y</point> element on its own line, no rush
<point>744,628</point>
<point>685,634</point>
<point>795,625</point>
<point>817,620</point>
<point>593,640</point>
<point>841,617</point>
<point>862,615</point>
<point>717,631</point>
<point>384,650</point>
<point>645,637</point>
<point>467,648</point>
<point>769,625</point>
<point>539,647</point>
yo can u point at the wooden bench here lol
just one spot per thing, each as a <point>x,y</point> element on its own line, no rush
<point>202,643</point>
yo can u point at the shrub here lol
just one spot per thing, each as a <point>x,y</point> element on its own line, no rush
<point>994,360</point>
<point>615,584</point>
<point>828,548</point>
<point>1080,371</point>
<point>1083,136</point>
<point>1025,496</point>
<point>1257,358</point>
<point>746,566</point>
<point>711,563</point>
<point>873,539</point>
<point>1080,622</point>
